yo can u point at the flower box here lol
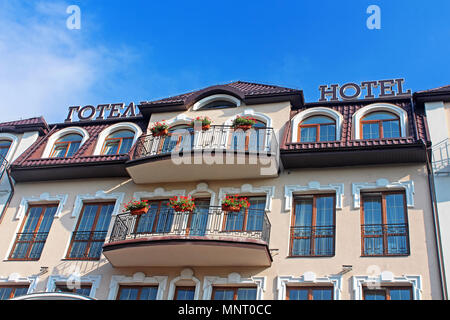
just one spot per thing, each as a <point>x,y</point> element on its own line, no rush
<point>138,212</point>
<point>160,129</point>
<point>234,203</point>
<point>230,208</point>
<point>204,122</point>
<point>137,207</point>
<point>243,123</point>
<point>182,204</point>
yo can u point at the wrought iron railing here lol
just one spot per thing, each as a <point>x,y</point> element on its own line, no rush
<point>86,245</point>
<point>210,223</point>
<point>385,239</point>
<point>218,138</point>
<point>28,246</point>
<point>312,241</point>
<point>441,157</point>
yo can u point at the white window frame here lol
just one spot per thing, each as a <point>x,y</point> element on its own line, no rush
<point>235,280</point>
<point>14,144</point>
<point>58,135</point>
<point>185,274</point>
<point>114,128</point>
<point>15,279</point>
<point>137,279</point>
<point>216,97</point>
<point>312,187</point>
<point>93,280</point>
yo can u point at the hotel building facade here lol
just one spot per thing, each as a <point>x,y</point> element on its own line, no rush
<point>340,203</point>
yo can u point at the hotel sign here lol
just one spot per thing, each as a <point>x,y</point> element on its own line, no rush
<point>101,112</point>
<point>352,91</point>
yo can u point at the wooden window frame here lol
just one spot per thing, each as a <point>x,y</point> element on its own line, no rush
<point>68,143</point>
<point>234,288</point>
<point>317,126</point>
<point>387,291</point>
<point>94,224</point>
<point>247,136</point>
<point>38,225</point>
<point>244,223</point>
<point>108,140</point>
<point>14,288</point>
<point>155,222</point>
<point>383,195</point>
<point>313,224</point>
<point>177,288</point>
<point>380,126</point>
<point>121,287</point>
<point>163,139</point>
<point>310,290</point>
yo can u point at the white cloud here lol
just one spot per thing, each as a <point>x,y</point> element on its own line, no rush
<point>45,67</point>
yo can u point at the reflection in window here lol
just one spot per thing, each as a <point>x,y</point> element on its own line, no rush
<point>219,104</point>
<point>185,293</point>
<point>119,142</point>
<point>380,124</point>
<point>317,129</point>
<point>4,148</point>
<point>83,290</point>
<point>66,146</point>
<point>9,292</point>
<point>310,293</point>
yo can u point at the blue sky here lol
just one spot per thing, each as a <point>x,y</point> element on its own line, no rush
<point>143,50</point>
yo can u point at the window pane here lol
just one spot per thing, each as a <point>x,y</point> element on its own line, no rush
<point>372,210</point>
<point>298,294</point>
<point>128,293</point>
<point>328,133</point>
<point>246,294</point>
<point>374,295</point>
<point>148,293</point>
<point>111,147</point>
<point>255,213</point>
<point>20,292</point>
<point>371,130</point>
<point>400,294</point>
<point>308,134</point>
<point>122,134</point>
<point>318,120</point>
<point>185,294</point>
<point>395,209</point>
<point>303,212</point>
<point>70,137</point>
<point>223,294</point>
<point>322,294</point>
<point>60,150</point>
<point>126,146</point>
<point>74,146</point>
<point>391,129</point>
<point>5,293</point>
<point>380,116</point>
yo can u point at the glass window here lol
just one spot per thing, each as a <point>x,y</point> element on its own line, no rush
<point>137,293</point>
<point>388,293</point>
<point>9,292</point>
<point>310,293</point>
<point>66,146</point>
<point>385,228</point>
<point>158,219</point>
<point>377,125</point>
<point>317,129</point>
<point>248,219</point>
<point>83,290</point>
<point>250,140</point>
<point>312,231</point>
<point>33,233</point>
<point>180,138</point>
<point>219,104</point>
<point>119,142</point>
<point>232,293</point>
<point>184,293</point>
<point>4,148</point>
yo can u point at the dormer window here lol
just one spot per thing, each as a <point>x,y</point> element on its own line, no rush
<point>4,148</point>
<point>119,142</point>
<point>317,129</point>
<point>66,146</point>
<point>380,124</point>
<point>220,104</point>
<point>217,101</point>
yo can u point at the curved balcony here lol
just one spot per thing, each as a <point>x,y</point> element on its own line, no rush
<point>220,153</point>
<point>206,237</point>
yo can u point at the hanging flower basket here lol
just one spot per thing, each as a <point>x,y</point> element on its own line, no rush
<point>243,123</point>
<point>205,123</point>
<point>160,129</point>
<point>234,203</point>
<point>136,207</point>
<point>182,204</point>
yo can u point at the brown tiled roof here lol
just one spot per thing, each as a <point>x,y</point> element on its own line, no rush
<point>24,122</point>
<point>442,89</point>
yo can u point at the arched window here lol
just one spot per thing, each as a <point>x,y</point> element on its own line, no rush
<point>119,142</point>
<point>219,104</point>
<point>66,146</point>
<point>317,129</point>
<point>4,148</point>
<point>380,124</point>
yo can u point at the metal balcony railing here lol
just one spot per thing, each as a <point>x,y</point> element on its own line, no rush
<point>312,241</point>
<point>209,222</point>
<point>28,246</point>
<point>217,138</point>
<point>385,239</point>
<point>441,158</point>
<point>86,245</point>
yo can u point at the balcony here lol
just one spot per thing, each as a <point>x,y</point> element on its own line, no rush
<point>385,239</point>
<point>441,158</point>
<point>220,153</point>
<point>207,237</point>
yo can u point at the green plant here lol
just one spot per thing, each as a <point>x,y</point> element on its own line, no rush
<point>243,121</point>
<point>235,202</point>
<point>182,204</point>
<point>135,205</point>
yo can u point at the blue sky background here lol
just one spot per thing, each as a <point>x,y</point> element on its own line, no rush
<point>144,50</point>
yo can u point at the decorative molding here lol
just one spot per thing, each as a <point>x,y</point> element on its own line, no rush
<point>116,127</point>
<point>387,277</point>
<point>306,279</point>
<point>233,279</point>
<point>358,115</point>
<point>74,280</point>
<point>216,97</point>
<point>159,193</point>
<point>383,184</point>
<point>179,119</point>
<point>203,188</point>
<point>43,198</point>
<point>138,278</point>
<point>17,279</point>
<point>245,189</point>
<point>57,135</point>
<point>99,195</point>
<point>185,274</point>
<point>313,186</point>
<point>318,111</point>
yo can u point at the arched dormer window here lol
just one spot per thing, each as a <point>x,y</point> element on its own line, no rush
<point>119,142</point>
<point>317,129</point>
<point>378,121</point>
<point>66,146</point>
<point>217,101</point>
<point>5,145</point>
<point>380,124</point>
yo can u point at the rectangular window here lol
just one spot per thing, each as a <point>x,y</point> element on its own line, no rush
<point>33,233</point>
<point>184,293</point>
<point>388,293</point>
<point>248,219</point>
<point>234,293</point>
<point>90,232</point>
<point>84,290</point>
<point>158,219</point>
<point>9,292</point>
<point>137,293</point>
<point>313,226</point>
<point>384,224</point>
<point>309,293</point>
<point>198,220</point>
